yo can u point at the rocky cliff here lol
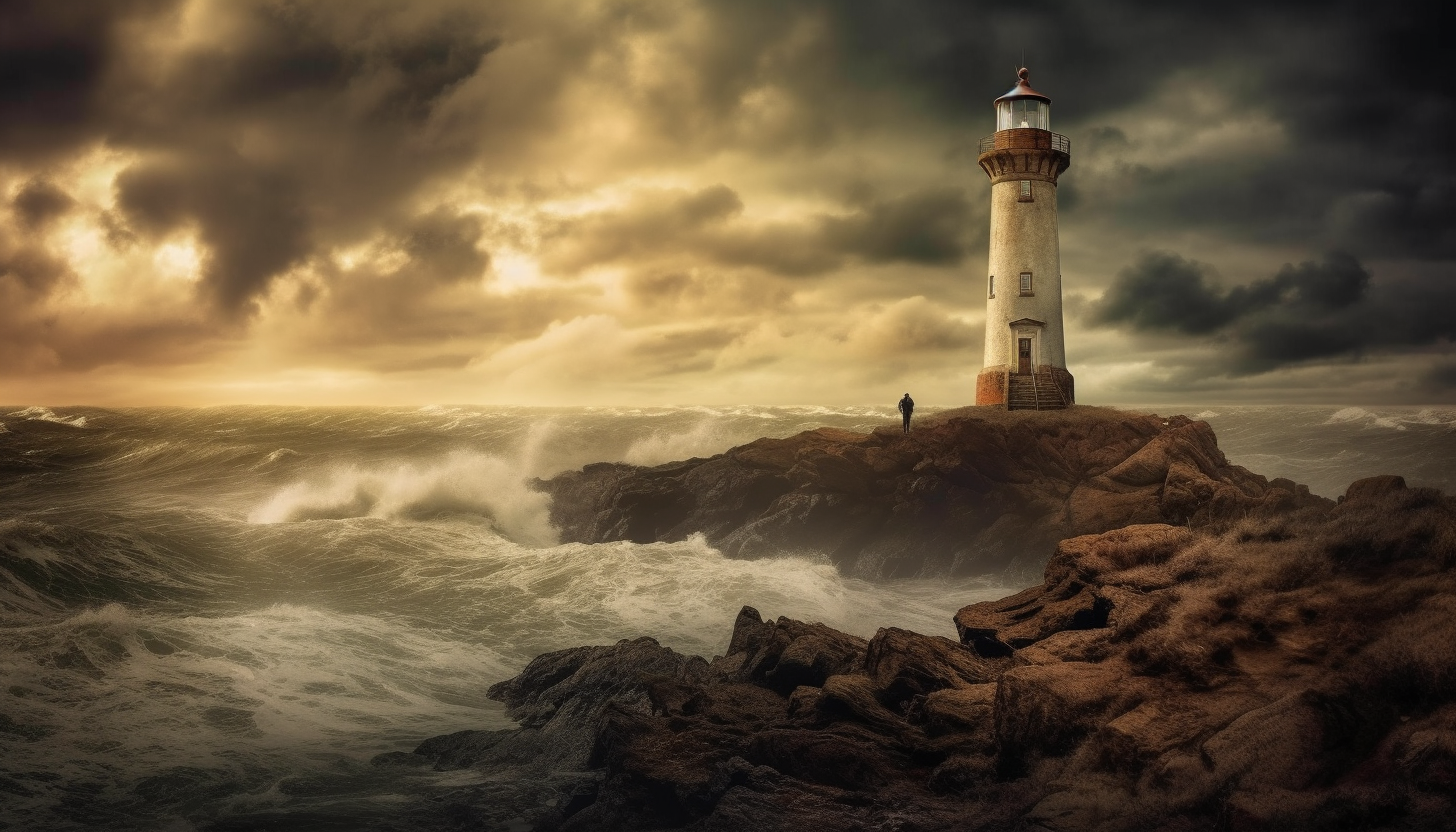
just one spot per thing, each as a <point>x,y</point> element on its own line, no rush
<point>970,491</point>
<point>1288,670</point>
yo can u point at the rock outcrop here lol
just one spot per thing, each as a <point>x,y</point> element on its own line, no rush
<point>970,491</point>
<point>1289,671</point>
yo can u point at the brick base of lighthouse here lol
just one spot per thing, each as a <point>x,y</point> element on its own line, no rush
<point>991,386</point>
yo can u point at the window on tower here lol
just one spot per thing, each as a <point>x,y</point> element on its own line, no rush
<point>991,286</point>
<point>1026,284</point>
<point>1025,195</point>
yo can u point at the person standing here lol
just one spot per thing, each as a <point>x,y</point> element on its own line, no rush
<point>907,406</point>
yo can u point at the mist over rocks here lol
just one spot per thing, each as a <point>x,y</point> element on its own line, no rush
<point>968,491</point>
<point>1293,670</point>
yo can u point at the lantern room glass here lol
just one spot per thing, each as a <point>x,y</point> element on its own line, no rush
<point>1023,112</point>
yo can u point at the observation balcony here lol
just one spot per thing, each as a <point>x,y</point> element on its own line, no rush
<point>1026,138</point>
<point>1023,153</point>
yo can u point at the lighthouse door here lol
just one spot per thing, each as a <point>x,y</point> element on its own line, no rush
<point>1023,356</point>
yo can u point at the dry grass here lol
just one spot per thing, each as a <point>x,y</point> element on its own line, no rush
<point>1365,590</point>
<point>1413,662</point>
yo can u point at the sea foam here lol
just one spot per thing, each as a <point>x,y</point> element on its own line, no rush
<point>462,482</point>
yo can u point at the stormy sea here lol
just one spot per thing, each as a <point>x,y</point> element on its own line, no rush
<point>213,616</point>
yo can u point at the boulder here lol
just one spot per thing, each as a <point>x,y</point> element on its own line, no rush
<point>1279,745</point>
<point>966,710</point>
<point>1372,488</point>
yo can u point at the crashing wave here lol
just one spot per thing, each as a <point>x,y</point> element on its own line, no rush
<point>45,414</point>
<point>460,483</point>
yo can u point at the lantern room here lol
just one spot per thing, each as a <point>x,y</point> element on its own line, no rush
<point>1023,107</point>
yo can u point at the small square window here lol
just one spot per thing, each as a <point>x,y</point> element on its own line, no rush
<point>1026,283</point>
<point>991,286</point>
<point>1025,195</point>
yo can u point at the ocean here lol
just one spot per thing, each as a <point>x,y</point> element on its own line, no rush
<point>211,615</point>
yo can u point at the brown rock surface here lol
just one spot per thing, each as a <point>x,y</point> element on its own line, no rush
<point>970,491</point>
<point>1294,668</point>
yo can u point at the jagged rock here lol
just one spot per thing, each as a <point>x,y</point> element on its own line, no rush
<point>559,700</point>
<point>970,491</point>
<point>855,696</point>
<point>902,665</point>
<point>1070,598</point>
<point>786,654</point>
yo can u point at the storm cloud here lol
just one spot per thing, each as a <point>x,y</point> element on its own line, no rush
<point>727,199</point>
<point>1314,310</point>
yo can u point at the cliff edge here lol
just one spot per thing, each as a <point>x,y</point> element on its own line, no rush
<point>969,491</point>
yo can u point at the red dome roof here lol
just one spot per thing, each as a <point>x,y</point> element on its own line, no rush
<point>1022,89</point>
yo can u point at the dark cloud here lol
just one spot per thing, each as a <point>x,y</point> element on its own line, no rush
<point>417,302</point>
<point>925,227</point>
<point>1362,98</point>
<point>39,201</point>
<point>928,227</point>
<point>55,60</point>
<point>703,292</point>
<point>1315,310</point>
<point>30,274</point>
<point>1442,376</point>
<point>290,56</point>
<point>252,219</point>
<point>1164,291</point>
<point>307,130</point>
<point>442,246</point>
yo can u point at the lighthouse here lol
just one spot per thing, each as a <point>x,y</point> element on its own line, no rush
<point>1025,365</point>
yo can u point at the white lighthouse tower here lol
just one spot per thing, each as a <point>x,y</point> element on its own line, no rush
<point>1025,364</point>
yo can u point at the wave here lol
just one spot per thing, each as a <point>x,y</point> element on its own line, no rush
<point>281,453</point>
<point>705,438</point>
<point>1428,416</point>
<point>133,699</point>
<point>46,567</point>
<point>45,414</point>
<point>461,483</point>
<point>1349,415</point>
<point>1395,421</point>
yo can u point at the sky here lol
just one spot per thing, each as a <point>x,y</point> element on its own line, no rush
<point>647,202</point>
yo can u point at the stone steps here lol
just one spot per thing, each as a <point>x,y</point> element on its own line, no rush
<point>1034,392</point>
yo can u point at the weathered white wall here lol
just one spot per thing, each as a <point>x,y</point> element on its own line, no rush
<point>1024,238</point>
